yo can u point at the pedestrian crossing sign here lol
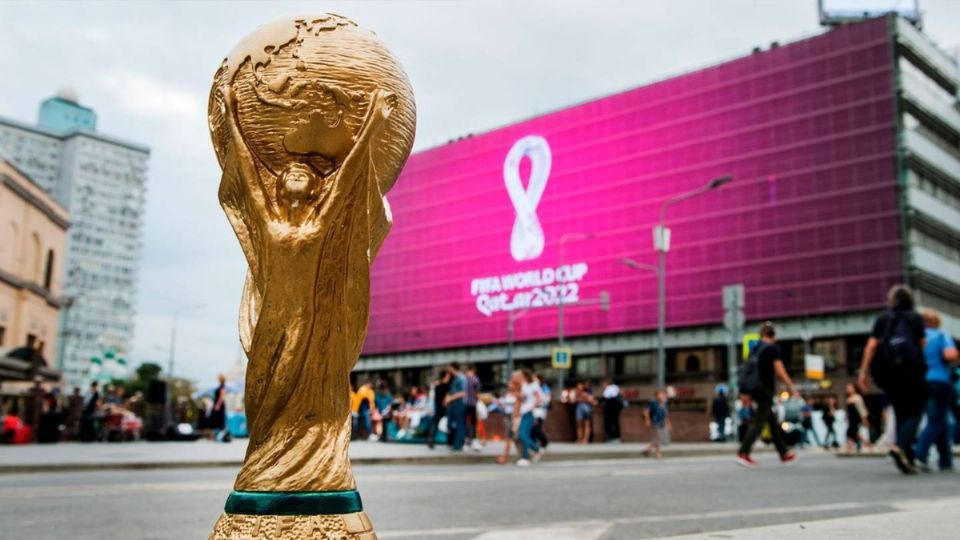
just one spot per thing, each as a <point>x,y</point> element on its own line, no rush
<point>749,342</point>
<point>562,358</point>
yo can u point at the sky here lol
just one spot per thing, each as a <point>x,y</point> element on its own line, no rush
<point>146,68</point>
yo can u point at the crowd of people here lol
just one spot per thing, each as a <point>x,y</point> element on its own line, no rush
<point>94,416</point>
<point>907,356</point>
<point>455,411</point>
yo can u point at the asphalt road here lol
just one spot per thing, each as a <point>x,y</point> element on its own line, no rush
<point>608,499</point>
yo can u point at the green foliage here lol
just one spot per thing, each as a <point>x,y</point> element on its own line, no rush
<point>148,371</point>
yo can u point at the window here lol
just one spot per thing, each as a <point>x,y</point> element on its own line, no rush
<point>3,331</point>
<point>638,364</point>
<point>48,273</point>
<point>588,366</point>
<point>31,341</point>
<point>35,259</point>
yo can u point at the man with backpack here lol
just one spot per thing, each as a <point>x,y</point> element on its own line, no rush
<point>893,357</point>
<point>757,379</point>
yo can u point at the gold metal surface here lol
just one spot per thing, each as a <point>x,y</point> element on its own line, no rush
<point>312,120</point>
<point>342,527</point>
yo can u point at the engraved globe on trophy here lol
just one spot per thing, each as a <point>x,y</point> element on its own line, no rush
<point>312,119</point>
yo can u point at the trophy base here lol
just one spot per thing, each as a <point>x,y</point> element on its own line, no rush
<point>353,526</point>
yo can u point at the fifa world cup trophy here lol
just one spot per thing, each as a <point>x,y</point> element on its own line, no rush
<point>312,120</point>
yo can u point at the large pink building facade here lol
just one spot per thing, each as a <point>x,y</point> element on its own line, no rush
<point>516,218</point>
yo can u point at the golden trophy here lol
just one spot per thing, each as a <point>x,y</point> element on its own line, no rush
<point>312,120</point>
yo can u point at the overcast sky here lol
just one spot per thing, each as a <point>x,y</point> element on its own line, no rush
<point>475,65</point>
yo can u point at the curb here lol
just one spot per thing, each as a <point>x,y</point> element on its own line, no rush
<point>442,459</point>
<point>874,455</point>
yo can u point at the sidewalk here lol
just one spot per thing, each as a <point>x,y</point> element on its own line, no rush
<point>159,455</point>
<point>916,519</point>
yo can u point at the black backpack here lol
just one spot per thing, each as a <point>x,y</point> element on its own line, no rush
<point>748,376</point>
<point>898,353</point>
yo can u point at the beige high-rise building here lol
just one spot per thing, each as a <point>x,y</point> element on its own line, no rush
<point>33,233</point>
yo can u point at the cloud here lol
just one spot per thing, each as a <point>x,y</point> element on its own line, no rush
<point>151,97</point>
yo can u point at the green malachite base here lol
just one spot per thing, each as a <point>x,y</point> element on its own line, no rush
<point>293,503</point>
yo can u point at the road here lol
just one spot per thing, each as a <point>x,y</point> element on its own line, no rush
<point>608,499</point>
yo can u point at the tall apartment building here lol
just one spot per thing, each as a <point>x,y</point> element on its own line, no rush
<point>101,181</point>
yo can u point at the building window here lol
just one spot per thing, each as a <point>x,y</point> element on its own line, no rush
<point>588,366</point>
<point>35,259</point>
<point>3,332</point>
<point>638,364</point>
<point>48,273</point>
<point>31,341</point>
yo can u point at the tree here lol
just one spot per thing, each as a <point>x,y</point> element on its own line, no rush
<point>148,371</point>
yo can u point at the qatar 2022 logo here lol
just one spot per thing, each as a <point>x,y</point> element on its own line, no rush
<point>526,241</point>
<point>536,287</point>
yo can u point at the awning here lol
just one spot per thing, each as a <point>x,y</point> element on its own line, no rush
<point>18,364</point>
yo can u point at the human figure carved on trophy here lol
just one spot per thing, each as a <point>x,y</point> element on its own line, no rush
<point>312,120</point>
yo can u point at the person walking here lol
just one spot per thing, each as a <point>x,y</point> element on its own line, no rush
<point>530,399</point>
<point>612,407</point>
<point>939,352</point>
<point>470,404</point>
<point>540,414</point>
<point>90,417</point>
<point>720,409</point>
<point>857,416</point>
<point>381,414</point>
<point>456,408</point>
<point>656,418</point>
<point>440,389</point>
<point>507,404</point>
<point>583,411</point>
<point>806,422</point>
<point>218,414</point>
<point>744,416</point>
<point>893,357</point>
<point>770,366</point>
<point>829,420</point>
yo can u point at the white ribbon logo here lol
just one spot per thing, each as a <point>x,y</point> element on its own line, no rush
<point>526,241</point>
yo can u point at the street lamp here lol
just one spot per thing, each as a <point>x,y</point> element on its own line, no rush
<point>563,240</point>
<point>173,332</point>
<point>661,242</point>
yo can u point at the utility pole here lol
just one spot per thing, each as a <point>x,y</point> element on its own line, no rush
<point>661,241</point>
<point>733,320</point>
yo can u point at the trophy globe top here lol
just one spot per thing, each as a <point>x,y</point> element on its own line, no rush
<point>303,86</point>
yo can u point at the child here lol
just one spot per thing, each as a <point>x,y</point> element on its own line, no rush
<point>656,417</point>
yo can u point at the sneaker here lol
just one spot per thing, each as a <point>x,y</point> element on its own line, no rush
<point>746,461</point>
<point>537,455</point>
<point>789,459</point>
<point>523,462</point>
<point>373,437</point>
<point>477,447</point>
<point>901,461</point>
<point>923,467</point>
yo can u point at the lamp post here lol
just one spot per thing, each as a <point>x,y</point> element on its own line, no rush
<point>564,238</point>
<point>661,242</point>
<point>173,333</point>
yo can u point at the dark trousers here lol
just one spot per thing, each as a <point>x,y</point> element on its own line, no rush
<point>955,410</point>
<point>763,416</point>
<point>937,430</point>
<point>611,418</point>
<point>830,438</point>
<point>721,427</point>
<point>527,444</point>
<point>908,403</point>
<point>538,434</point>
<point>471,421</point>
<point>456,424</point>
<point>435,425</point>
